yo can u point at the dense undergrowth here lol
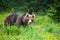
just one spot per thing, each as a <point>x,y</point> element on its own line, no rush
<point>43,28</point>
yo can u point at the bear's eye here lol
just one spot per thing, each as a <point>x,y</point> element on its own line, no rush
<point>32,20</point>
<point>33,16</point>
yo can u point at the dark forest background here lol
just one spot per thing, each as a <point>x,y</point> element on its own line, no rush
<point>47,6</point>
<point>46,25</point>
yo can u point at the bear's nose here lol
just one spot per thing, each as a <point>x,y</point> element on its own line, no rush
<point>29,22</point>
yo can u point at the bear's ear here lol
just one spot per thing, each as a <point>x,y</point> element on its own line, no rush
<point>33,15</point>
<point>27,15</point>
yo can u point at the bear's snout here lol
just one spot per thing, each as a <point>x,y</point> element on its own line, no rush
<point>30,21</point>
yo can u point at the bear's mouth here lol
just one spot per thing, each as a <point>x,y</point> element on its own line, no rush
<point>30,21</point>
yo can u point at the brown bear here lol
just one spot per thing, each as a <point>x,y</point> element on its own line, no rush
<point>19,19</point>
<point>25,19</point>
<point>10,19</point>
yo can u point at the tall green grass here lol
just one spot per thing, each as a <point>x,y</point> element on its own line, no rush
<point>43,28</point>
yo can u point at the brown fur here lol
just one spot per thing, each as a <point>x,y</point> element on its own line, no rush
<point>10,19</point>
<point>23,19</point>
<point>19,19</point>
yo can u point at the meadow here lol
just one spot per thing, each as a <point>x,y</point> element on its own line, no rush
<point>43,28</point>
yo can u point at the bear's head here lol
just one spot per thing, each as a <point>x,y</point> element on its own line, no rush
<point>28,18</point>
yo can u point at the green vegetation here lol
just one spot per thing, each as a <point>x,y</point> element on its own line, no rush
<point>50,6</point>
<point>43,28</point>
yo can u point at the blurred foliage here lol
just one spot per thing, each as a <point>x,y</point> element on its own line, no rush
<point>54,11</point>
<point>43,28</point>
<point>36,5</point>
<point>49,6</point>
